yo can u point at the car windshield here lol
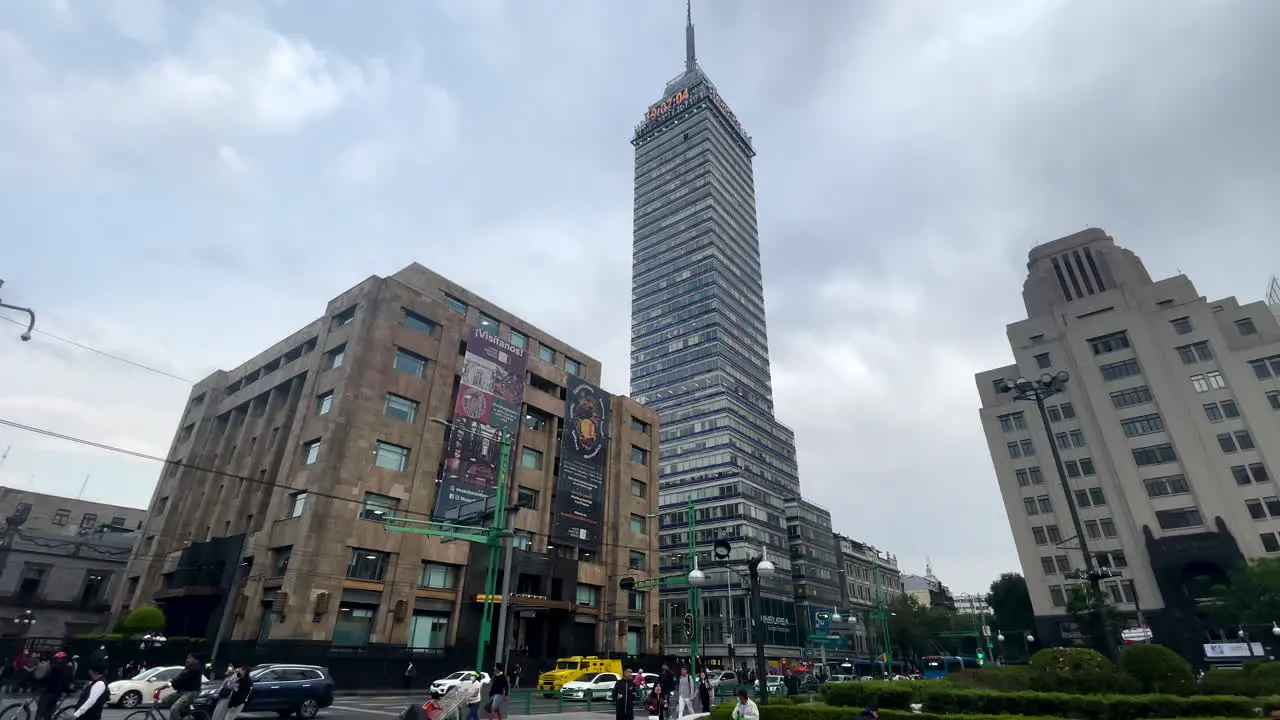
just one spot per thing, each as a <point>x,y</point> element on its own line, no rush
<point>148,674</point>
<point>586,677</point>
<point>458,675</point>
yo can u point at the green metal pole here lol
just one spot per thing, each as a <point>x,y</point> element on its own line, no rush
<point>882,611</point>
<point>494,541</point>
<point>694,604</point>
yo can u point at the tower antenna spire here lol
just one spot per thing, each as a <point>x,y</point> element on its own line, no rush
<point>690,55</point>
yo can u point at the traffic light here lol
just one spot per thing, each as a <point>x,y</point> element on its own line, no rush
<point>688,626</point>
<point>982,658</point>
<point>824,616</point>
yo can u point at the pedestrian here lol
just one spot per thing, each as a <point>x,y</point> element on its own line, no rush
<point>625,695</point>
<point>746,708</point>
<point>704,690</point>
<point>498,689</point>
<point>409,673</point>
<point>475,691</point>
<point>226,691</point>
<point>244,688</point>
<point>95,696</point>
<point>685,692</point>
<point>515,675</point>
<point>666,688</point>
<point>792,683</point>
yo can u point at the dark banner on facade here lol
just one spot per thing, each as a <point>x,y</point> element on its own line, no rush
<point>584,447</point>
<point>489,399</point>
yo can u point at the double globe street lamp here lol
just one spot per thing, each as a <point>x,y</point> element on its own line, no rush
<point>1026,644</point>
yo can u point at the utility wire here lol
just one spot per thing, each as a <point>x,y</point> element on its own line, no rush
<point>102,353</point>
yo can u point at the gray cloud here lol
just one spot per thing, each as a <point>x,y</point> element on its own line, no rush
<point>910,155</point>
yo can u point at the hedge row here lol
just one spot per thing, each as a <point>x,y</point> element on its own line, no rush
<point>825,712</point>
<point>941,698</point>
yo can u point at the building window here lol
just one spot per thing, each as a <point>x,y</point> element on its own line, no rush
<point>1188,517</point>
<point>1168,485</point>
<point>1208,381</point>
<point>1038,534</point>
<point>1119,370</point>
<point>1062,440</point>
<point>346,317</point>
<point>1154,455</point>
<point>378,507</point>
<point>638,524</point>
<point>1015,450</point>
<point>1109,343</point>
<point>1030,505</point>
<point>1034,474</point>
<point>1122,399</point>
<point>1108,527</point>
<point>1259,473</point>
<point>546,354</point>
<point>368,565</point>
<point>1013,421</point>
<point>1144,425</point>
<point>438,576</point>
<point>88,520</point>
<point>637,561</point>
<point>587,596</point>
<point>455,304</point>
<point>527,497</point>
<point>1274,399</point>
<point>1077,438</point>
<point>1055,536</point>
<point>1195,352</point>
<point>117,522</point>
<point>334,357</point>
<point>535,419</point>
<point>1056,596</point>
<point>638,488</point>
<point>311,452</point>
<point>519,339</point>
<point>1021,476</point>
<point>639,426</point>
<point>1068,411</point>
<point>573,367</point>
<point>400,408</point>
<point>530,458</point>
<point>1213,412</point>
<point>1045,505</point>
<point>1091,529</point>
<point>1244,440</point>
<point>279,558</point>
<point>1064,565</point>
<point>297,504</point>
<point>1264,368</point>
<point>419,323</point>
<point>1241,474</point>
<point>489,324</point>
<point>1246,327</point>
<point>61,516</point>
<point>390,457</point>
<point>1082,498</point>
<point>1256,511</point>
<point>409,363</point>
<point>1043,361</point>
<point>1182,325</point>
<point>1086,466</point>
<point>1269,542</point>
<point>324,403</point>
<point>639,455</point>
<point>1227,443</point>
<point>1047,566</point>
<point>635,601</point>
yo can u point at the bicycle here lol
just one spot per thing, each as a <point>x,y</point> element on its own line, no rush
<point>26,710</point>
<point>154,712</point>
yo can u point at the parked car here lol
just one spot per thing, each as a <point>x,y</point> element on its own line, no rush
<point>301,690</point>
<point>143,686</point>
<point>449,682</point>
<point>727,679</point>
<point>590,686</point>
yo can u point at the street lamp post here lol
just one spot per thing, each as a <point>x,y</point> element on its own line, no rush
<point>31,317</point>
<point>1037,391</point>
<point>1027,639</point>
<point>151,642</point>
<point>494,537</point>
<point>757,567</point>
<point>25,622</point>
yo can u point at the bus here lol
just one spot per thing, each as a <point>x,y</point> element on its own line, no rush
<point>936,667</point>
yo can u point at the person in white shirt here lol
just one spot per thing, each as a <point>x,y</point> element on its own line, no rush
<point>474,690</point>
<point>94,697</point>
<point>746,708</point>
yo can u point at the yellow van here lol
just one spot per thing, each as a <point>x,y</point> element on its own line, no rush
<point>571,668</point>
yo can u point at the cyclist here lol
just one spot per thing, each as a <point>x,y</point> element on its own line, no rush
<point>95,696</point>
<point>187,687</point>
<point>52,685</point>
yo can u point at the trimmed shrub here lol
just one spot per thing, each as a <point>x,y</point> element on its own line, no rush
<point>1158,669</point>
<point>1077,670</point>
<point>147,618</point>
<point>1008,678</point>
<point>943,698</point>
<point>823,712</point>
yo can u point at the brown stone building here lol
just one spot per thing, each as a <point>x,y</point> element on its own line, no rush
<point>283,469</point>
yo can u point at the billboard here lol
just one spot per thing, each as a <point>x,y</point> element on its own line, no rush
<point>489,400</point>
<point>584,447</point>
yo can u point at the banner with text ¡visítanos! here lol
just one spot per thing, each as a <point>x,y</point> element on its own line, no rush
<point>489,399</point>
<point>584,449</point>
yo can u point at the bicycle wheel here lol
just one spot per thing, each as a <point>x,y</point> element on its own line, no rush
<point>66,712</point>
<point>143,714</point>
<point>16,711</point>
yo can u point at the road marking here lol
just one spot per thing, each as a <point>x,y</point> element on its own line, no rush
<point>353,708</point>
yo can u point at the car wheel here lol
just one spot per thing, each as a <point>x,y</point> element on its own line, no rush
<point>131,699</point>
<point>308,709</point>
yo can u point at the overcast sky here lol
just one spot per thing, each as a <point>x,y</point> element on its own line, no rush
<point>186,183</point>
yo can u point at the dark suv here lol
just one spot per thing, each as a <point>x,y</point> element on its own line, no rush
<point>286,690</point>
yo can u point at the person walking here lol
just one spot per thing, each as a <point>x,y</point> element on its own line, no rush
<point>475,691</point>
<point>407,677</point>
<point>95,695</point>
<point>704,690</point>
<point>515,675</point>
<point>499,687</point>
<point>666,688</point>
<point>625,696</point>
<point>230,684</point>
<point>792,683</point>
<point>685,691</point>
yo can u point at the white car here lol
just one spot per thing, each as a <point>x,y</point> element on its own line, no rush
<point>591,686</point>
<point>728,678</point>
<point>141,688</point>
<point>445,684</point>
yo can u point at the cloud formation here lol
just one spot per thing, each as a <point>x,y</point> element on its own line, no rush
<point>184,184</point>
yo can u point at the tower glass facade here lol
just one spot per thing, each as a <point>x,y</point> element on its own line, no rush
<point>700,357</point>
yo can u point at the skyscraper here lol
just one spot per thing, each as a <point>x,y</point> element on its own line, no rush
<point>700,357</point>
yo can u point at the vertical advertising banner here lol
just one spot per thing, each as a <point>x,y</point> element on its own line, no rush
<point>584,445</point>
<point>489,400</point>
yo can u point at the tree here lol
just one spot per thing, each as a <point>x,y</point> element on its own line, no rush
<point>1252,597</point>
<point>148,618</point>
<point>1157,668</point>
<point>914,628</point>
<point>1093,613</point>
<point>1011,604</point>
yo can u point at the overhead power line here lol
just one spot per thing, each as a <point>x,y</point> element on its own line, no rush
<point>102,353</point>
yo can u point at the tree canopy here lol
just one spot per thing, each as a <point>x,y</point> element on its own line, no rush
<point>1011,604</point>
<point>1252,597</point>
